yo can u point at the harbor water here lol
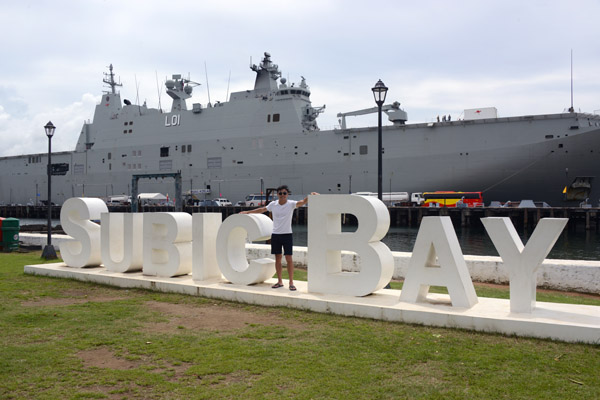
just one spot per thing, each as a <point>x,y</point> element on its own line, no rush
<point>473,241</point>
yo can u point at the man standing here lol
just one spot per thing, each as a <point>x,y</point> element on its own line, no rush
<point>282,210</point>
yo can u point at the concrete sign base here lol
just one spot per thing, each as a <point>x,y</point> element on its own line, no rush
<point>565,322</point>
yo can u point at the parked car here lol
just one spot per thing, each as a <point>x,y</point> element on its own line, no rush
<point>207,203</point>
<point>222,201</point>
<point>254,200</point>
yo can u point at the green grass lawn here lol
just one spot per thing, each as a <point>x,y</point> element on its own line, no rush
<point>63,339</point>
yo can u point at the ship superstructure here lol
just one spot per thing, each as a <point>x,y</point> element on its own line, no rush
<point>269,136</point>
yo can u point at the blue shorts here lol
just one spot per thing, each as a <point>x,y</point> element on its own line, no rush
<point>279,240</point>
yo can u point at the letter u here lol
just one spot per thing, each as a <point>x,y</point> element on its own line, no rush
<point>121,241</point>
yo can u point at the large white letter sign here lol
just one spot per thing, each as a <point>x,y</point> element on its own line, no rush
<point>167,244</point>
<point>436,237</point>
<point>75,216</point>
<point>523,261</point>
<point>205,227</point>
<point>326,240</point>
<point>231,249</point>
<point>122,241</point>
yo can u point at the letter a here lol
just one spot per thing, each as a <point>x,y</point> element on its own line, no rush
<point>523,262</point>
<point>437,237</point>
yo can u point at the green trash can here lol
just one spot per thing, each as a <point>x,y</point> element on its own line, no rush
<point>10,234</point>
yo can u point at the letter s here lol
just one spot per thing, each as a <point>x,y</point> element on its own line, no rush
<point>75,216</point>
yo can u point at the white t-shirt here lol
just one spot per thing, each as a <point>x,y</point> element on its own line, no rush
<point>282,215</point>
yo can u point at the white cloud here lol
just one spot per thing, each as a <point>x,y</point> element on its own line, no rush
<point>27,136</point>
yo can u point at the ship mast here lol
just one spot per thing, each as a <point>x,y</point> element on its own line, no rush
<point>571,109</point>
<point>109,79</point>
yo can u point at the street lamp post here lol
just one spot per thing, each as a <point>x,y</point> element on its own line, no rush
<point>379,93</point>
<point>49,253</point>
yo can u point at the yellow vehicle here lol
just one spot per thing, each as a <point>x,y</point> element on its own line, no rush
<point>452,199</point>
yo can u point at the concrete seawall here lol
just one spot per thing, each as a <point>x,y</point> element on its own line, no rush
<point>567,275</point>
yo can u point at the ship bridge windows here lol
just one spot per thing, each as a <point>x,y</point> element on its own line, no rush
<point>297,92</point>
<point>35,159</point>
<point>164,151</point>
<point>186,148</point>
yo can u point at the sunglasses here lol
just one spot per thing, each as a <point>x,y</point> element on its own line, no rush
<point>282,193</point>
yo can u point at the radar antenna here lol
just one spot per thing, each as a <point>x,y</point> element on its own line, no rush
<point>109,79</point>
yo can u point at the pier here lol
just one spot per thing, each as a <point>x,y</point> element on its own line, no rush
<point>525,218</point>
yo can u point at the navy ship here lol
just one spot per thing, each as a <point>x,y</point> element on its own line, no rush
<point>268,135</point>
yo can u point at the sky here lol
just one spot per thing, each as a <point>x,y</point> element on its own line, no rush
<point>436,57</point>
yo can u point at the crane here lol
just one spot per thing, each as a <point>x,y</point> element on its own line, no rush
<point>393,111</point>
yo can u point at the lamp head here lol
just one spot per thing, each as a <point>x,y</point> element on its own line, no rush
<point>49,128</point>
<point>379,92</point>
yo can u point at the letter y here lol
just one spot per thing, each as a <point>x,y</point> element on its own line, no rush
<point>523,261</point>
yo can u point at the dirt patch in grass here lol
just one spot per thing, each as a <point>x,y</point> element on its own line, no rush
<point>103,357</point>
<point>78,296</point>
<point>213,317</point>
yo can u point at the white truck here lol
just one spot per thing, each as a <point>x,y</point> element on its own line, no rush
<point>397,198</point>
<point>389,198</point>
<point>416,199</point>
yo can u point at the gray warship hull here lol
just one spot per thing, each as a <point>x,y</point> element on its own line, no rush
<point>268,136</point>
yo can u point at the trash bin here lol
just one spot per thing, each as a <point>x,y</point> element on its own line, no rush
<point>10,234</point>
<point>1,221</point>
